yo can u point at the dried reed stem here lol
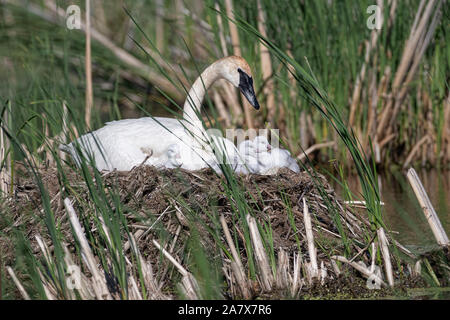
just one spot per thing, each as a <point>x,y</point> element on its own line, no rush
<point>190,287</point>
<point>262,261</point>
<point>310,239</point>
<point>16,281</point>
<point>283,275</point>
<point>315,147</point>
<point>180,268</point>
<point>414,150</point>
<point>100,288</point>
<point>5,155</point>
<point>361,268</point>
<point>86,289</point>
<point>427,207</point>
<point>296,278</point>
<point>236,265</point>
<point>65,130</point>
<point>386,256</point>
<point>49,290</point>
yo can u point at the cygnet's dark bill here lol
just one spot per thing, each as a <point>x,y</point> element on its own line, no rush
<point>246,87</point>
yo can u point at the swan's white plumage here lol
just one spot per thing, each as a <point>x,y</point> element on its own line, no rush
<point>124,144</point>
<point>127,143</point>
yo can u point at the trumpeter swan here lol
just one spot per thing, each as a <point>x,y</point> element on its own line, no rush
<point>127,143</point>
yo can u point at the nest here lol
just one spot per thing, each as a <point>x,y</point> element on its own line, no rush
<point>172,203</point>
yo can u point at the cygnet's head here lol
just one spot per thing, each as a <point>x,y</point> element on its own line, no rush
<point>237,71</point>
<point>261,144</point>
<point>174,156</point>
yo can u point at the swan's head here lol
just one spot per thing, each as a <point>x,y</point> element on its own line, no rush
<point>237,71</point>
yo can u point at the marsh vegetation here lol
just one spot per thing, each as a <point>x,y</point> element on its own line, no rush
<point>349,101</point>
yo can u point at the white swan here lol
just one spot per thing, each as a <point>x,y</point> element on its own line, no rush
<point>127,143</point>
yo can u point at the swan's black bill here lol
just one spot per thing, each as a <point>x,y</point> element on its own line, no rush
<point>246,87</point>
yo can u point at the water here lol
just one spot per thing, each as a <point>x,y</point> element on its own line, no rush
<point>402,213</point>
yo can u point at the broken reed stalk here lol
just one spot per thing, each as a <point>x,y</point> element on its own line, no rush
<point>49,291</point>
<point>374,255</point>
<point>382,240</point>
<point>427,207</point>
<point>100,288</point>
<point>362,203</point>
<point>237,52</point>
<point>282,279</point>
<point>49,287</point>
<point>315,147</point>
<point>414,150</point>
<point>361,268</point>
<point>88,67</point>
<point>262,261</point>
<point>296,278</point>
<point>5,155</point>
<point>86,289</point>
<point>19,286</point>
<point>310,238</point>
<point>236,264</point>
<point>180,268</point>
<point>188,283</point>
<point>44,249</point>
<point>147,272</point>
<point>65,130</point>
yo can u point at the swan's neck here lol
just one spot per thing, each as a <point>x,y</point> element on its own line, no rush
<point>192,105</point>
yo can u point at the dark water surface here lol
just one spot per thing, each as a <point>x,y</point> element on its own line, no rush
<point>402,212</point>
